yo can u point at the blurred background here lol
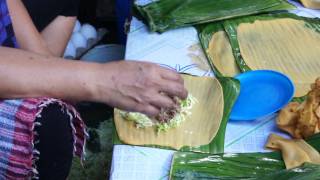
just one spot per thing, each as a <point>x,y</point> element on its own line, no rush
<point>110,14</point>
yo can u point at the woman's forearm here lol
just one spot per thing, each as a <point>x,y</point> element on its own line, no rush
<point>51,41</point>
<point>24,74</point>
<point>57,34</point>
<point>128,85</point>
<point>26,33</point>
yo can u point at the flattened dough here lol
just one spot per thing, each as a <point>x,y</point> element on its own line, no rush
<point>198,129</point>
<point>285,45</point>
<point>220,53</point>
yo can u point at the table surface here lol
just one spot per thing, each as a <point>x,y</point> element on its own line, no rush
<point>174,49</point>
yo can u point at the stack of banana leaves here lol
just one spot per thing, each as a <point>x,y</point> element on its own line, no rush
<point>162,15</point>
<point>241,166</point>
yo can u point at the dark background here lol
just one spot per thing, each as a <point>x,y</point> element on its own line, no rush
<point>105,13</point>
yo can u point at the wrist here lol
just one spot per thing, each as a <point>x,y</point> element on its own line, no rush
<point>98,82</point>
<point>85,77</point>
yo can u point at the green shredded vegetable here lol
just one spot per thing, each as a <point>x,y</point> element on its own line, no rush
<point>143,121</point>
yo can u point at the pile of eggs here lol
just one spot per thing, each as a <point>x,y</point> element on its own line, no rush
<point>83,37</point>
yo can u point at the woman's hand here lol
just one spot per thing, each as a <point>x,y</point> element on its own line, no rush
<point>131,86</point>
<point>138,87</point>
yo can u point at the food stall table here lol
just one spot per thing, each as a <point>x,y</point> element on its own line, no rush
<point>172,49</point>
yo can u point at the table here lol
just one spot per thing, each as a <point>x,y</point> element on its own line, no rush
<point>172,50</point>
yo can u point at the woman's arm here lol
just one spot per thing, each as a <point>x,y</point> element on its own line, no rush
<point>132,86</point>
<point>27,35</point>
<point>52,40</point>
<point>57,34</point>
<point>34,72</point>
<point>24,75</point>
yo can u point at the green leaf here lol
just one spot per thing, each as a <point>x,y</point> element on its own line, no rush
<point>241,166</point>
<point>162,15</point>
<point>307,171</point>
<point>231,89</point>
<point>205,33</point>
<point>97,160</point>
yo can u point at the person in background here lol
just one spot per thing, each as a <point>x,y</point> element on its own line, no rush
<point>39,131</point>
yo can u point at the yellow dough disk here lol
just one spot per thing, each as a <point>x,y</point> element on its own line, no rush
<point>220,53</point>
<point>285,45</point>
<point>198,129</point>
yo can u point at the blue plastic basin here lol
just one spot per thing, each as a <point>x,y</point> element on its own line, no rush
<point>262,93</point>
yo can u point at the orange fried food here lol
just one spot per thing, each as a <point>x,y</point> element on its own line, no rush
<point>295,152</point>
<point>288,118</point>
<point>302,120</point>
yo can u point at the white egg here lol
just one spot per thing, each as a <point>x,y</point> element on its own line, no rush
<point>78,40</point>
<point>77,26</point>
<point>89,32</point>
<point>70,51</point>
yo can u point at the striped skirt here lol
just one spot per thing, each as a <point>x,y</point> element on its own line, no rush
<point>17,135</point>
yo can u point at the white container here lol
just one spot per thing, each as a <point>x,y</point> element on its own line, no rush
<point>70,52</point>
<point>90,33</point>
<point>77,26</point>
<point>79,42</point>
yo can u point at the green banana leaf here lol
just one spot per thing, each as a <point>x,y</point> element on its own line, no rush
<point>240,166</point>
<point>162,15</point>
<point>231,89</point>
<point>231,26</point>
<point>307,171</point>
<point>205,33</point>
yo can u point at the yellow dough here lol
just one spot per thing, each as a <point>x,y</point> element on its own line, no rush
<point>220,53</point>
<point>312,4</point>
<point>198,129</point>
<point>284,45</point>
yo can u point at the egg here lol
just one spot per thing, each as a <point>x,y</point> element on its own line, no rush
<point>89,32</point>
<point>77,26</point>
<point>78,40</point>
<point>70,51</point>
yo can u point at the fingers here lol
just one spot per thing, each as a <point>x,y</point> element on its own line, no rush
<point>171,75</point>
<point>173,83</point>
<point>161,101</point>
<point>147,109</point>
<point>174,89</point>
<point>131,105</point>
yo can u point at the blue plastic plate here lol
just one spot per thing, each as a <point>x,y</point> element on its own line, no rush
<point>262,93</point>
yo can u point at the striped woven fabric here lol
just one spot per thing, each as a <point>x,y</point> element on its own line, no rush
<point>17,121</point>
<point>7,37</point>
